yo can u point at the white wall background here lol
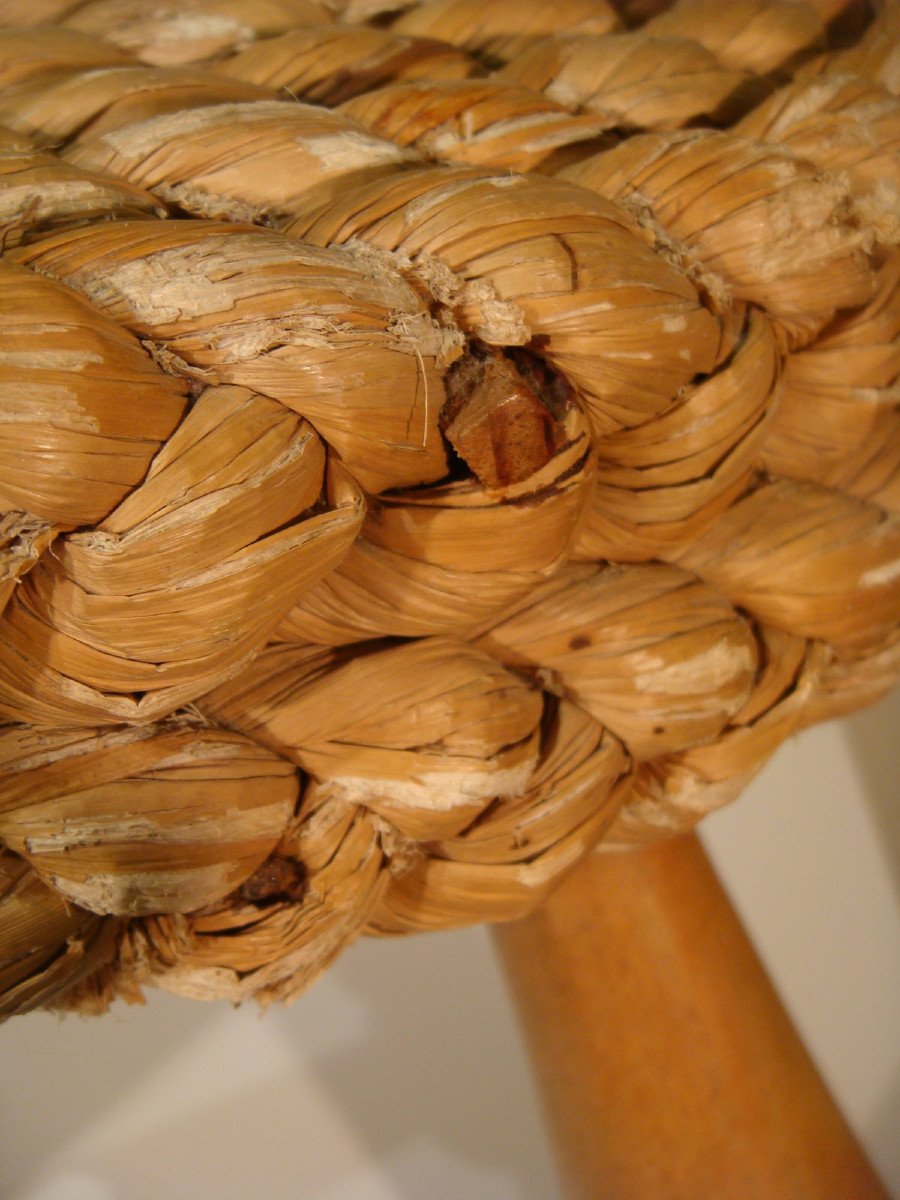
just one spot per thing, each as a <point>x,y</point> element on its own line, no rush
<point>400,1076</point>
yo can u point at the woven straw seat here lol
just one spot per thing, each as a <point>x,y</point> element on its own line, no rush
<point>437,441</point>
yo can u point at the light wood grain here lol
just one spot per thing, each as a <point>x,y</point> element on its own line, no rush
<point>668,1066</point>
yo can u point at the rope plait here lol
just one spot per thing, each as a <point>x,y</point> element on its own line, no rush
<point>434,446</point>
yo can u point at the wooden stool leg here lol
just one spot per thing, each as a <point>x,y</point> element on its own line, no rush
<point>669,1069</point>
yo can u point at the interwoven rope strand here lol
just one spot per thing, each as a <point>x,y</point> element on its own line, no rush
<point>436,440</point>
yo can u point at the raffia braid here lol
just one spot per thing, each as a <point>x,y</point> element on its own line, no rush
<point>436,441</point>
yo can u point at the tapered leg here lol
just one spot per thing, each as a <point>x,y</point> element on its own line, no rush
<point>668,1067</point>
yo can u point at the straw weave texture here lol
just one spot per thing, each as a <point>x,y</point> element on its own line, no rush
<point>437,441</point>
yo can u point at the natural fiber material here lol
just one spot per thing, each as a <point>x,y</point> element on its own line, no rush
<point>436,440</point>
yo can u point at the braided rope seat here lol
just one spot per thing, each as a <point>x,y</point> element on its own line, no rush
<point>436,440</point>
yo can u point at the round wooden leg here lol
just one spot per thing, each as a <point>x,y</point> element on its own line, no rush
<point>668,1066</point>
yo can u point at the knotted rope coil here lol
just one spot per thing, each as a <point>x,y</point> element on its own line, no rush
<point>437,439</point>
